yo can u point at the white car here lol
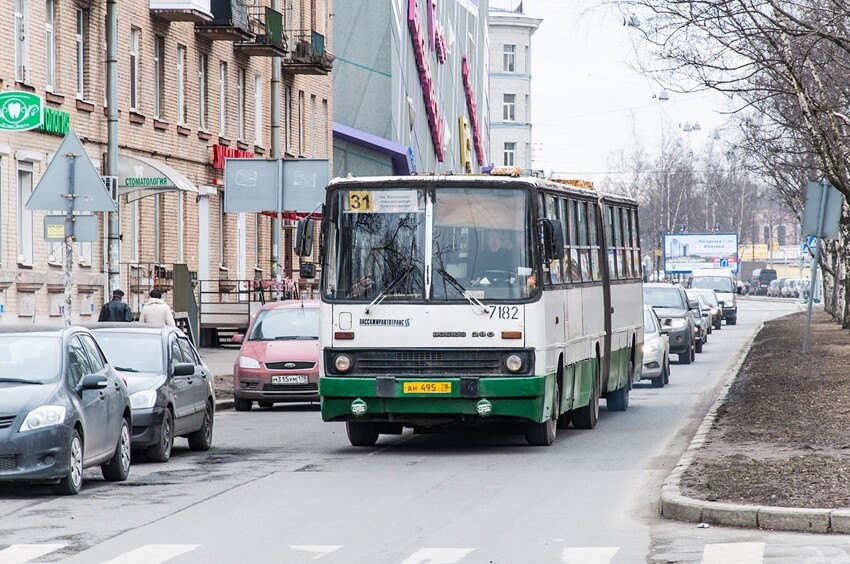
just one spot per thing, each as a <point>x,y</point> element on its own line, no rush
<point>656,350</point>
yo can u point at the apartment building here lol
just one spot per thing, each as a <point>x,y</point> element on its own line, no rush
<point>194,88</point>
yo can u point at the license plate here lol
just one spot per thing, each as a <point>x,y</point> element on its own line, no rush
<point>300,379</point>
<point>427,387</point>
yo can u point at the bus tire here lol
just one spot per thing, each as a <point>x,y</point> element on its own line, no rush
<point>543,434</point>
<point>586,417</point>
<point>361,434</point>
<point>618,400</point>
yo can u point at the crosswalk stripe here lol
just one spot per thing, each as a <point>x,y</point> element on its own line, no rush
<point>153,554</point>
<point>318,549</point>
<point>588,555</point>
<point>733,553</point>
<point>437,555</point>
<point>20,553</point>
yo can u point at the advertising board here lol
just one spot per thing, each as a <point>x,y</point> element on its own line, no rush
<point>685,252</point>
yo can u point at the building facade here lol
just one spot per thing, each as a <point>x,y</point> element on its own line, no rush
<point>194,87</point>
<point>410,87</point>
<point>510,86</point>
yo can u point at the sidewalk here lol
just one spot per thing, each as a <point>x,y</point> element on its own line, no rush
<point>220,362</point>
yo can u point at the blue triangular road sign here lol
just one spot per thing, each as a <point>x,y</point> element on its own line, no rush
<point>54,184</point>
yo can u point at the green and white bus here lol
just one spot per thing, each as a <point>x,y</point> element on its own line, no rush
<point>475,299</point>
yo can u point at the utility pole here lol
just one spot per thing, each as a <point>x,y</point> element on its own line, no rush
<point>277,223</point>
<point>114,233</point>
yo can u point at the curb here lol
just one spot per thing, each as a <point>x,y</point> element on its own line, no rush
<point>677,507</point>
<point>223,404</point>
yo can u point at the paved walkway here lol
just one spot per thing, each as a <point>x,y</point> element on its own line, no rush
<point>220,360</point>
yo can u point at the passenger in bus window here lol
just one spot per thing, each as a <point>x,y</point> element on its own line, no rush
<point>495,261</point>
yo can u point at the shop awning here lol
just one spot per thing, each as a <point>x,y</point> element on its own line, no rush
<point>140,176</point>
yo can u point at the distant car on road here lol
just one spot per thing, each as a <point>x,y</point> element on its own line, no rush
<point>656,349</point>
<point>63,408</point>
<point>279,358</point>
<point>672,306</point>
<point>715,308</point>
<point>702,318</point>
<point>760,280</point>
<point>171,389</point>
<point>723,283</point>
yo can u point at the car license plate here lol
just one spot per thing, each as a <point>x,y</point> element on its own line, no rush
<point>299,379</point>
<point>427,387</point>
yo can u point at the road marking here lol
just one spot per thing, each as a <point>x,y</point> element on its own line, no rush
<point>437,555</point>
<point>153,554</point>
<point>318,549</point>
<point>733,553</point>
<point>588,555</point>
<point>20,553</point>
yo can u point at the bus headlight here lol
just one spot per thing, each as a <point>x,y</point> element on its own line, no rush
<point>513,363</point>
<point>342,363</point>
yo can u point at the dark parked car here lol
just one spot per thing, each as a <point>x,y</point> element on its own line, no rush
<point>673,308</point>
<point>63,408</point>
<point>761,279</point>
<point>171,389</point>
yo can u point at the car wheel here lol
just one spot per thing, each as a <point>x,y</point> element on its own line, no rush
<point>543,434</point>
<point>732,321</point>
<point>118,467</point>
<point>71,482</point>
<point>587,416</point>
<point>202,438</point>
<point>718,324</point>
<point>698,346</point>
<point>161,451</point>
<point>361,434</point>
<point>241,404</point>
<point>687,356</point>
<point>667,370</point>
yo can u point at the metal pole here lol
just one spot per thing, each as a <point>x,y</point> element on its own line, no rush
<point>821,212</point>
<point>68,278</point>
<point>114,218</point>
<point>277,223</point>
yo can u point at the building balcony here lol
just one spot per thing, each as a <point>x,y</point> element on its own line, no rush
<point>229,22</point>
<point>307,54</point>
<point>266,26</point>
<point>187,11</point>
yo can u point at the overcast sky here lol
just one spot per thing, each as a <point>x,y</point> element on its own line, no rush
<point>587,102</point>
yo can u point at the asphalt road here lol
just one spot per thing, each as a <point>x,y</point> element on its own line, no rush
<point>280,485</point>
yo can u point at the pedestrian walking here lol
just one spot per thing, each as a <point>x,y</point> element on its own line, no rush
<point>115,309</point>
<point>157,311</point>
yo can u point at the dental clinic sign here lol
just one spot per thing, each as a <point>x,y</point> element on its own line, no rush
<point>20,111</point>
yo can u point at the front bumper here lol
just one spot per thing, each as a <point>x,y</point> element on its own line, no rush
<point>256,385</point>
<point>653,365</point>
<point>147,426</point>
<point>680,340</point>
<point>34,456</point>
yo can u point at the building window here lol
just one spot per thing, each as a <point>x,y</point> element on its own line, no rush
<point>135,36</point>
<point>510,154</point>
<point>181,85</point>
<point>222,99</point>
<point>25,221</point>
<point>157,223</point>
<point>203,97</point>
<point>158,76</point>
<point>134,231</point>
<point>288,119</point>
<point>221,258</point>
<point>20,41</point>
<point>509,58</point>
<point>256,240</point>
<point>82,25</point>
<point>324,128</point>
<point>84,251</point>
<point>509,107</point>
<point>180,207</point>
<point>258,110</point>
<point>313,140</point>
<point>50,43</point>
<point>300,123</point>
<point>240,104</point>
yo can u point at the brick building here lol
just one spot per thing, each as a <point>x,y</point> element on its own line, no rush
<point>194,86</point>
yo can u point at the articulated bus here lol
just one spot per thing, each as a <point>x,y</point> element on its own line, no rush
<point>475,299</point>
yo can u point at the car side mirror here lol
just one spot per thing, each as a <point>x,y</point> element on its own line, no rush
<point>666,329</point>
<point>693,304</point>
<point>237,338</point>
<point>183,369</point>
<point>304,237</point>
<point>93,382</point>
<point>307,270</point>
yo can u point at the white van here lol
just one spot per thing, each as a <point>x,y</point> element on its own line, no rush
<point>723,283</point>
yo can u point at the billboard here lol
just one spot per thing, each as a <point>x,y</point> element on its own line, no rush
<point>684,252</point>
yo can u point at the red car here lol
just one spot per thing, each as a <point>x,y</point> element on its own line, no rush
<point>279,358</point>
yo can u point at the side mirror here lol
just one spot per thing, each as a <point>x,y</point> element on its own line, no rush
<point>693,304</point>
<point>304,238</point>
<point>93,382</point>
<point>237,338</point>
<point>666,329</point>
<point>553,239</point>
<point>307,270</point>
<point>183,369</point>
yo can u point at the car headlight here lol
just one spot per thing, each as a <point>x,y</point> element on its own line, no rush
<point>248,362</point>
<point>678,323</point>
<point>44,416</point>
<point>143,400</point>
<point>342,363</point>
<point>649,348</point>
<point>513,363</point>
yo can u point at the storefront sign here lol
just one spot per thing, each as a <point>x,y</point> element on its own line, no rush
<point>220,153</point>
<point>472,106</point>
<point>426,81</point>
<point>20,111</point>
<point>56,122</point>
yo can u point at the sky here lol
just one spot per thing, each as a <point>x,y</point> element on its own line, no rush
<point>588,102</point>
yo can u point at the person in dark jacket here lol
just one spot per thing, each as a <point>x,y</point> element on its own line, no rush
<point>115,309</point>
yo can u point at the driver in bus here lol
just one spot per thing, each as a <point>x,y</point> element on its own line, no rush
<point>494,261</point>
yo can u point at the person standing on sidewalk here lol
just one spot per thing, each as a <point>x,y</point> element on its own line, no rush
<point>156,311</point>
<point>115,309</point>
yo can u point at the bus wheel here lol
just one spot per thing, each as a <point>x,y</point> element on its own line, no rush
<point>587,416</point>
<point>619,399</point>
<point>543,434</point>
<point>361,434</point>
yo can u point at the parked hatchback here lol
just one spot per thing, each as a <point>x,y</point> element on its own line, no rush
<point>171,389</point>
<point>279,358</point>
<point>656,350</point>
<point>673,308</point>
<point>63,408</point>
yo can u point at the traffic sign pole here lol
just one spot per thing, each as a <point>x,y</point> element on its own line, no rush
<point>68,278</point>
<point>814,281</point>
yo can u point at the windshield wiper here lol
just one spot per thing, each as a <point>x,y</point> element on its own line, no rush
<point>459,287</point>
<point>399,279</point>
<point>20,381</point>
<point>123,369</point>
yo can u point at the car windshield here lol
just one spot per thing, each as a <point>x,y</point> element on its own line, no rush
<point>29,358</point>
<point>131,351</point>
<point>709,296</point>
<point>716,283</point>
<point>648,322</point>
<point>286,324</point>
<point>663,297</point>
